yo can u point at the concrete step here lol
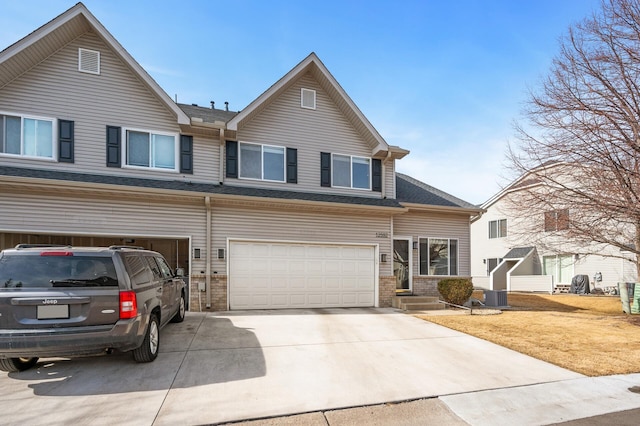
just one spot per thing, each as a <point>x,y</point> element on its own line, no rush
<point>422,306</point>
<point>416,303</point>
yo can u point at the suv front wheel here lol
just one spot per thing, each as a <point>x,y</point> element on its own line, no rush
<point>13,365</point>
<point>149,349</point>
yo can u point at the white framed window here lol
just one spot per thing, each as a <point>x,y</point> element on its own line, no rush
<point>307,98</point>
<point>154,150</point>
<point>438,256</point>
<point>88,61</point>
<point>262,162</point>
<point>27,136</point>
<point>349,171</point>
<point>497,228</point>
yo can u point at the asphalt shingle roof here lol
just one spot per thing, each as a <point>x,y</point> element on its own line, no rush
<point>518,252</point>
<point>208,115</point>
<point>411,190</point>
<point>182,185</point>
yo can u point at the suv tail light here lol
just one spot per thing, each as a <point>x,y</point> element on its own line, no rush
<point>128,305</point>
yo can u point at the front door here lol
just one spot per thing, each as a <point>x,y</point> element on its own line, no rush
<point>402,264</point>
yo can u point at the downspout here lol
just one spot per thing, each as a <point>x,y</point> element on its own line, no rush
<point>207,203</point>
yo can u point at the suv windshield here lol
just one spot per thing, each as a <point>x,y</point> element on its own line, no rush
<point>19,271</point>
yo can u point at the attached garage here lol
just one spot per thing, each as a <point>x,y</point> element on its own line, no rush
<point>277,275</point>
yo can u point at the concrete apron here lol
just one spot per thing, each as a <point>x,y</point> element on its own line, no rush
<point>228,366</point>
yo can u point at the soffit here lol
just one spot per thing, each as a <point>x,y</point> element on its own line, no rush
<point>19,60</point>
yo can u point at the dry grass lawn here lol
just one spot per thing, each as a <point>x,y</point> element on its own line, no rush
<point>586,334</point>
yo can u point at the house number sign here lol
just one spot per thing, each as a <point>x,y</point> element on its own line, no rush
<point>382,235</point>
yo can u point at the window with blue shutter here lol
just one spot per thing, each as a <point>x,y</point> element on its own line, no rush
<point>376,175</point>
<point>292,165</point>
<point>325,169</point>
<point>65,141</point>
<point>113,146</point>
<point>186,154</point>
<point>231,153</point>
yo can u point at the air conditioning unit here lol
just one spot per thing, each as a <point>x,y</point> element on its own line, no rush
<point>495,298</point>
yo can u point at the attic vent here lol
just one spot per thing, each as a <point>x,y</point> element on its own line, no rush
<point>89,61</point>
<point>308,98</point>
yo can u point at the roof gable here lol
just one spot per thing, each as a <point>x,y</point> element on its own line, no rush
<point>312,64</point>
<point>52,36</point>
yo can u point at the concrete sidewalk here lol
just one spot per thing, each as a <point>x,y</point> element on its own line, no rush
<point>585,401</point>
<point>224,367</point>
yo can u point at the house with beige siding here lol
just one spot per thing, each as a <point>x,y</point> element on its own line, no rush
<point>293,202</point>
<point>515,252</point>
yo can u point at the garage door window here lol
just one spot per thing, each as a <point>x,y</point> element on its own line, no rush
<point>438,256</point>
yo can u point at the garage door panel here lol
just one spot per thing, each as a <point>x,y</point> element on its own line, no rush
<point>271,275</point>
<point>313,283</point>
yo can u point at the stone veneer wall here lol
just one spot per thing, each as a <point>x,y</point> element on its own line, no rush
<point>386,291</point>
<point>428,286</point>
<point>198,299</point>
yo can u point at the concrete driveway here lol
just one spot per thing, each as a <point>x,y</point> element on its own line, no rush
<point>227,366</point>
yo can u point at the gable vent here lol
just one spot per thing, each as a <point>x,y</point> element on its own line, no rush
<point>308,98</point>
<point>89,61</point>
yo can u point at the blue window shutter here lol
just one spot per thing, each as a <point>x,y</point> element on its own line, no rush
<point>232,159</point>
<point>65,141</point>
<point>113,146</point>
<point>325,169</point>
<point>376,175</point>
<point>292,165</point>
<point>186,154</point>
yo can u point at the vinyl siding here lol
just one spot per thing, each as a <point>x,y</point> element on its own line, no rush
<point>297,226</point>
<point>482,247</point>
<point>102,215</point>
<point>324,129</point>
<point>56,89</point>
<point>390,179</point>
<point>430,225</point>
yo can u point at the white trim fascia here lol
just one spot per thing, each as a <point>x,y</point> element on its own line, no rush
<point>80,9</point>
<point>440,209</point>
<point>94,234</point>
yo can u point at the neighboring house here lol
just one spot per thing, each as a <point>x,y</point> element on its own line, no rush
<point>292,202</point>
<point>503,257</point>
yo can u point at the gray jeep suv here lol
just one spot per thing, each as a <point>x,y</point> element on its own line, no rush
<point>63,301</point>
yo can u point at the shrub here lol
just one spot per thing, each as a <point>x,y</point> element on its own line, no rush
<point>455,290</point>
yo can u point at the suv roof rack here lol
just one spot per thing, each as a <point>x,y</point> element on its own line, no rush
<point>126,247</point>
<point>25,246</point>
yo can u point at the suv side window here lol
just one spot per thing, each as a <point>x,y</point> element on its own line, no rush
<point>154,267</point>
<point>138,270</point>
<point>165,269</point>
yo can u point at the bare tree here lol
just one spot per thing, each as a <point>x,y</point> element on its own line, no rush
<point>580,150</point>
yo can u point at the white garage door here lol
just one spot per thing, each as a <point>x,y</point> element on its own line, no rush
<point>266,275</point>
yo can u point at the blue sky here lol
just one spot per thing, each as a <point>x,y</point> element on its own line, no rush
<point>444,79</point>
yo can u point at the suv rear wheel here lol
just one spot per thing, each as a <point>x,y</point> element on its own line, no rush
<point>13,365</point>
<point>149,349</point>
<point>182,308</point>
